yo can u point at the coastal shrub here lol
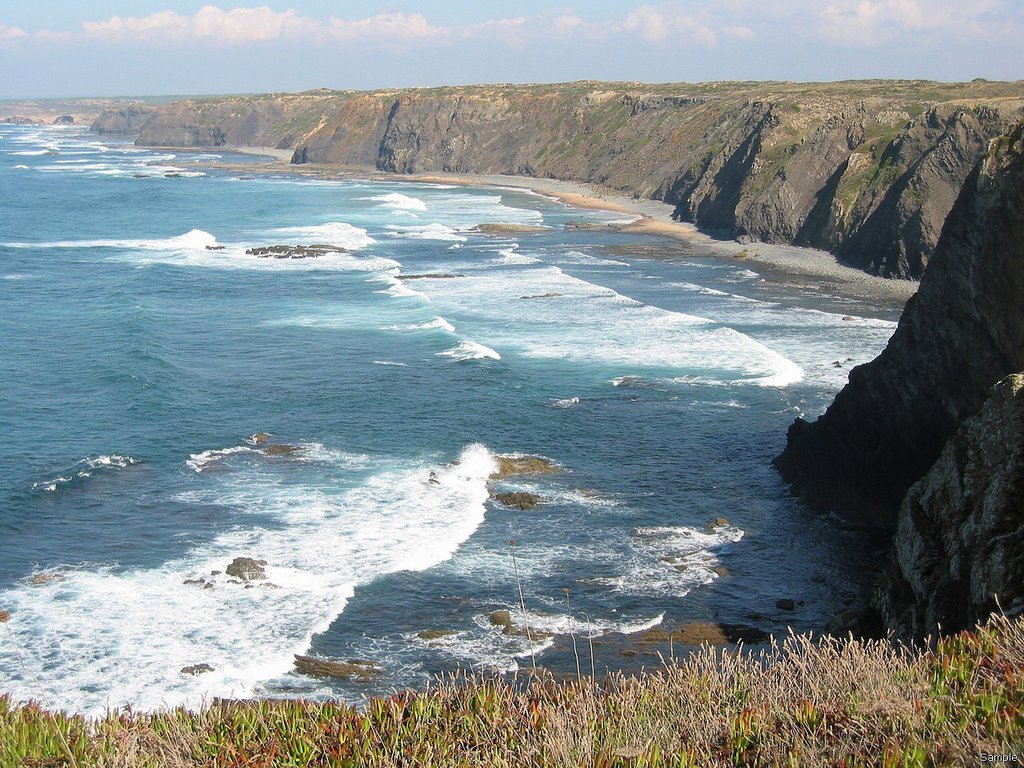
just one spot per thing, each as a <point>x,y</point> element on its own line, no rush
<point>803,701</point>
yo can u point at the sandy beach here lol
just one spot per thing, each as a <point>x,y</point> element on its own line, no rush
<point>806,268</point>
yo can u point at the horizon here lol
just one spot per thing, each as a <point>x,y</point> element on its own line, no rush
<point>175,47</point>
<point>172,97</point>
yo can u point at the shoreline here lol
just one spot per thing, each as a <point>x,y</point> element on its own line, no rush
<point>793,266</point>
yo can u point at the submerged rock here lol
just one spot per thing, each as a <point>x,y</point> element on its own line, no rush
<point>247,569</point>
<point>521,465</point>
<point>280,449</point>
<point>518,499</point>
<point>294,251</point>
<point>508,229</point>
<point>353,669</point>
<point>500,618</point>
<point>434,634</point>
<point>196,669</point>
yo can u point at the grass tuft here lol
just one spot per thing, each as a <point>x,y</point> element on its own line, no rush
<point>801,702</point>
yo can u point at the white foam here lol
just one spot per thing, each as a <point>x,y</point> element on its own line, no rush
<point>567,402</point>
<point>489,647</point>
<point>398,202</point>
<point>198,462</point>
<point>592,324</point>
<point>121,636</point>
<point>84,469</point>
<point>427,232</point>
<point>21,167</point>
<point>674,560</point>
<point>339,233</point>
<point>470,350</point>
<point>510,257</point>
<point>390,362</point>
<point>192,240</point>
<point>438,323</point>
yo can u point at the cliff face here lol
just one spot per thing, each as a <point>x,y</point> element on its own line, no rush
<point>124,120</point>
<point>961,333</point>
<point>868,170</point>
<point>960,539</point>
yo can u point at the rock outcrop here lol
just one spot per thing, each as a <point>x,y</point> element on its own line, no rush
<point>124,120</point>
<point>960,540</point>
<point>961,333</point>
<point>868,170</point>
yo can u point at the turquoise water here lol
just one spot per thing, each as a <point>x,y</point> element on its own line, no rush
<point>141,348</point>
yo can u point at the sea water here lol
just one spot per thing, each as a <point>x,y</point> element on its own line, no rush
<point>142,350</point>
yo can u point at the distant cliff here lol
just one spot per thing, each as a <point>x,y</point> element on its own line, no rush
<point>124,120</point>
<point>961,333</point>
<point>868,170</point>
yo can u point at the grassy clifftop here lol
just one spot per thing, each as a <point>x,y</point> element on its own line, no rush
<point>866,169</point>
<point>833,702</point>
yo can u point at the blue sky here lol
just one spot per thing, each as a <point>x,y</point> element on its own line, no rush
<point>156,47</point>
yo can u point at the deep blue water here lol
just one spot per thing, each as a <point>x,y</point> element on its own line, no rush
<point>140,347</point>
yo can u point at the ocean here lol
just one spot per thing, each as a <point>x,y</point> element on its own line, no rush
<point>147,361</point>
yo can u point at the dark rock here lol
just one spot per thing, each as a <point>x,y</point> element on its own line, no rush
<point>785,604</point>
<point>247,569</point>
<point>509,229</point>
<point>194,581</point>
<point>294,251</point>
<point>959,545</point>
<point>961,333</point>
<point>196,669</point>
<point>260,438</point>
<point>125,120</point>
<point>741,633</point>
<point>280,449</point>
<point>520,465</point>
<point>64,120</point>
<point>434,634</point>
<point>215,247</point>
<point>500,618</point>
<point>518,499</point>
<point>353,669</point>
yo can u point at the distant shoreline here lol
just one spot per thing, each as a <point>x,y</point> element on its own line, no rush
<point>808,268</point>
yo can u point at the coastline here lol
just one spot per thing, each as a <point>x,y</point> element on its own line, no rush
<point>803,268</point>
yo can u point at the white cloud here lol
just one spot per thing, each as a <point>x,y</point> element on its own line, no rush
<point>12,33</point>
<point>660,24</point>
<point>386,26</point>
<point>872,22</point>
<point>743,33</point>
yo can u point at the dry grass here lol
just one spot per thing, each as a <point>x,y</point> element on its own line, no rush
<point>801,703</point>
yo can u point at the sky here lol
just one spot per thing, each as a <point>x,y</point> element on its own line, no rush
<point>65,48</point>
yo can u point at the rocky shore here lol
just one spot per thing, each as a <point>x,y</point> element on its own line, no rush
<point>867,170</point>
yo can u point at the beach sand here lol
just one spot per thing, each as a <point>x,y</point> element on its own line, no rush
<point>803,268</point>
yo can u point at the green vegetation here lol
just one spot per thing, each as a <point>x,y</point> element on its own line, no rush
<point>803,703</point>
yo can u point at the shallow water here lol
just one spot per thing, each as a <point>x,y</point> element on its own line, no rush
<point>140,347</point>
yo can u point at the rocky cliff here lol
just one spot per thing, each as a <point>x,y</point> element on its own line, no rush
<point>124,120</point>
<point>961,333</point>
<point>960,540</point>
<point>868,170</point>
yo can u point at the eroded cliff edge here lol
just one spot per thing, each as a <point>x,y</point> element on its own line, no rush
<point>961,333</point>
<point>867,170</point>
